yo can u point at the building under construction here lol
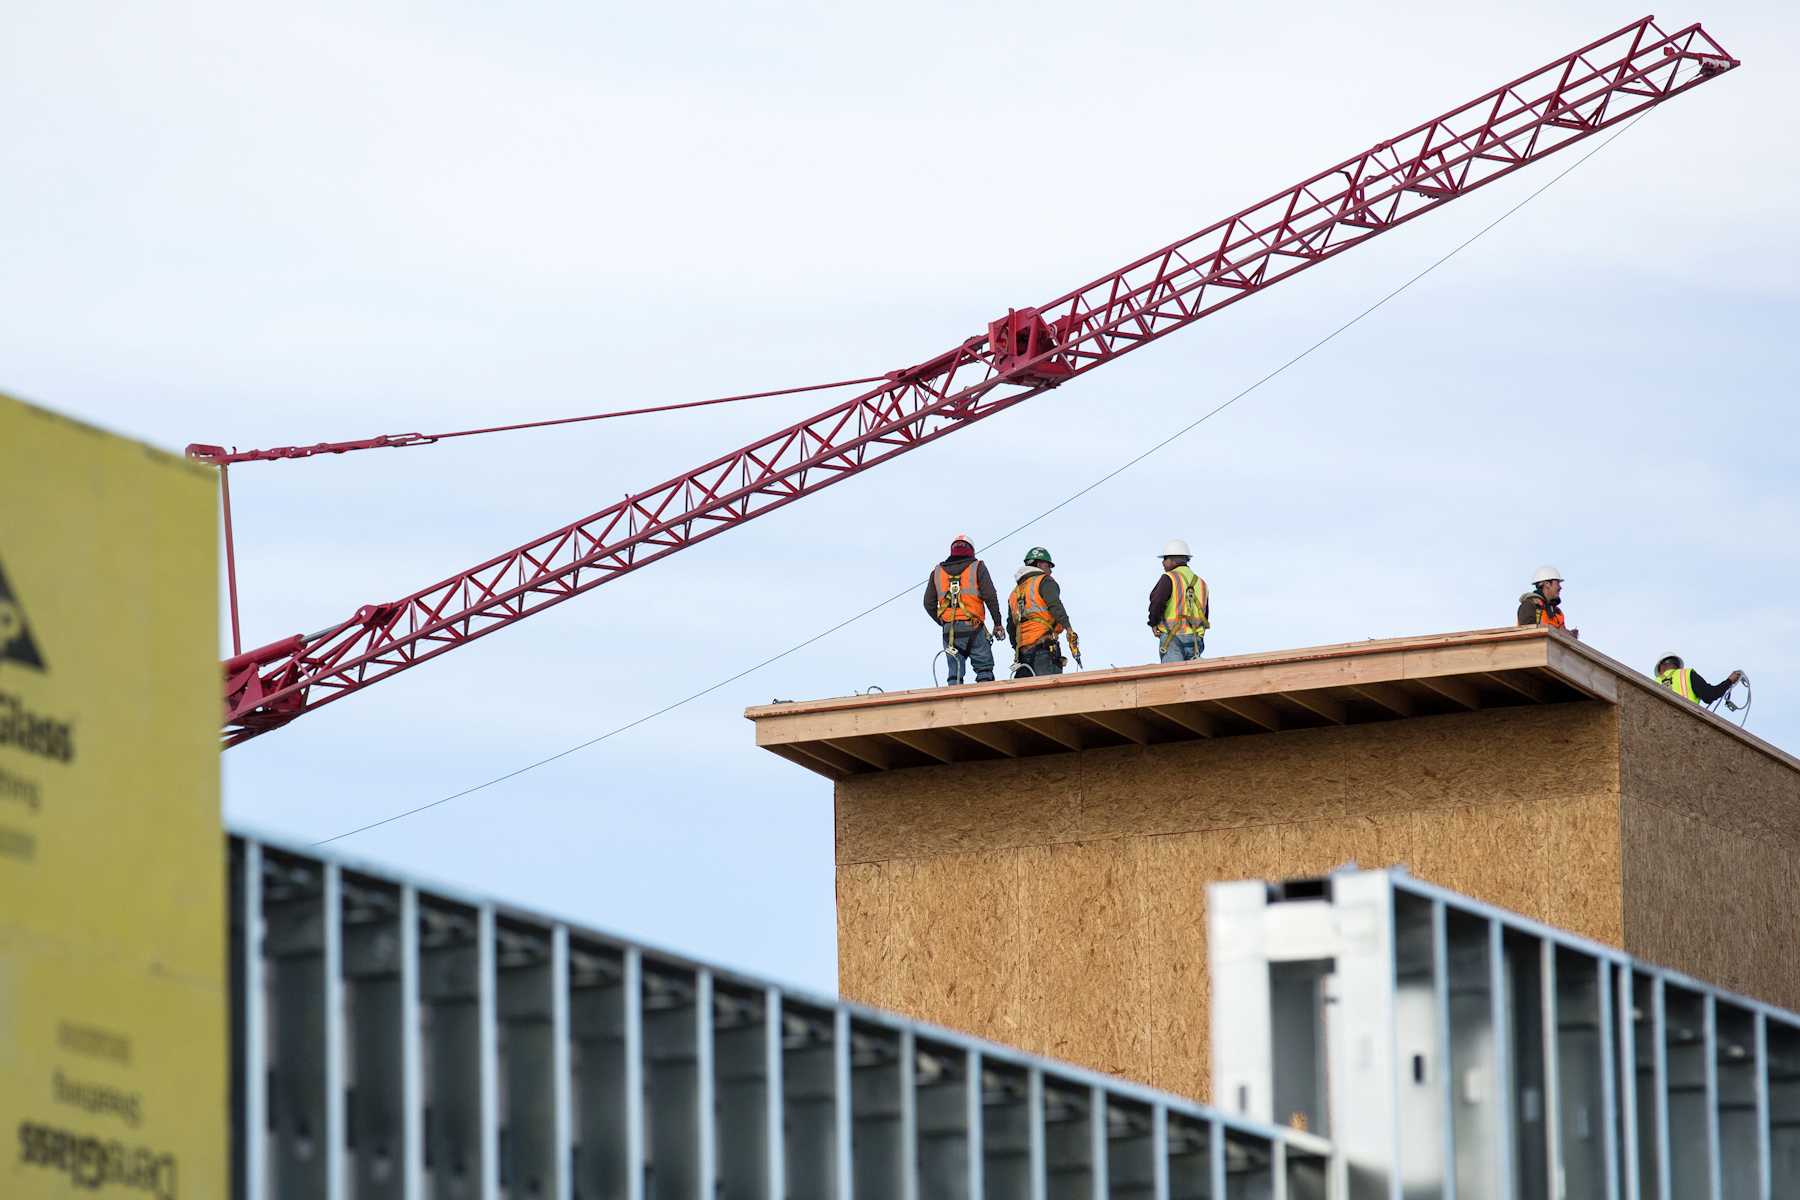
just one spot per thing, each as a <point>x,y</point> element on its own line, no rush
<point>1028,860</point>
<point>1477,915</point>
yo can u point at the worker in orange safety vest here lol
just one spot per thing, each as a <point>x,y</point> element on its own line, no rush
<point>1035,616</point>
<point>960,596</point>
<point>1542,605</point>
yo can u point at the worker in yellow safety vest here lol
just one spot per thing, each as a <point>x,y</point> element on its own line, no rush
<point>1688,683</point>
<point>960,596</point>
<point>1542,605</point>
<point>1035,616</point>
<point>1180,607</point>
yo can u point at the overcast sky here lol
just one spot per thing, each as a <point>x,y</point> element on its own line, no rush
<point>261,224</point>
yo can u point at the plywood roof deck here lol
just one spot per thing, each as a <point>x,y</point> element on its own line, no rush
<point>1353,683</point>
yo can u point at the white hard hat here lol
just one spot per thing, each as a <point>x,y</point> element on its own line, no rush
<point>1665,658</point>
<point>1020,574</point>
<point>1546,574</point>
<point>1177,549</point>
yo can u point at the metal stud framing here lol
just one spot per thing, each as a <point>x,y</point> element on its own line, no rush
<point>391,1040</point>
<point>1525,1063</point>
<point>402,1042</point>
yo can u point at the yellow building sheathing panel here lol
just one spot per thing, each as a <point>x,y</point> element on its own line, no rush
<point>1083,935</point>
<point>1095,952</point>
<point>1712,851</point>
<point>1495,756</point>
<point>112,937</point>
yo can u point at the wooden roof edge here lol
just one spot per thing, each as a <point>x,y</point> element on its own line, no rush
<point>1440,641</point>
<point>1576,663</point>
<point>1644,683</point>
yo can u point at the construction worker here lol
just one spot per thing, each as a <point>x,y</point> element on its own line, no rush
<point>1542,605</point>
<point>959,596</point>
<point>1180,608</point>
<point>1688,683</point>
<point>1035,616</point>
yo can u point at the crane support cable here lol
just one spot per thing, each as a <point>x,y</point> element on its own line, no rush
<point>911,588</point>
<point>219,456</point>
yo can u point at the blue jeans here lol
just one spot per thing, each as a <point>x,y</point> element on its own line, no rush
<point>1040,659</point>
<point>973,645</point>
<point>1184,647</point>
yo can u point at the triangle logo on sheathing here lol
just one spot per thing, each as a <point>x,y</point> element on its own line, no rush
<point>16,643</point>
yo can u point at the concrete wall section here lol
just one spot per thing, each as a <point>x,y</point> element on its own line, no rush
<point>1059,903</point>
<point>1711,832</point>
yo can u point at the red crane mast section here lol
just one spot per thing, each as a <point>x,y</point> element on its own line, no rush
<point>1023,353</point>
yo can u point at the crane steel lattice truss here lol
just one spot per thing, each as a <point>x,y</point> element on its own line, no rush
<point>1022,354</point>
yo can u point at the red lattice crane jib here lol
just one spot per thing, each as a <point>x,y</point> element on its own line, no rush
<point>1022,353</point>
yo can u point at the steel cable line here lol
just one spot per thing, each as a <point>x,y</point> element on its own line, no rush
<point>1020,528</point>
<point>220,456</point>
<point>659,408</point>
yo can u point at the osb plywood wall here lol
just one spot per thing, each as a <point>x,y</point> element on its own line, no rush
<point>1711,852</point>
<point>1058,904</point>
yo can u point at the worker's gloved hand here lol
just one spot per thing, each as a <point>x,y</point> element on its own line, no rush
<point>999,633</point>
<point>1735,676</point>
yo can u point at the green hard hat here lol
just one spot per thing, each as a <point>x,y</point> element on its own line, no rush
<point>1039,554</point>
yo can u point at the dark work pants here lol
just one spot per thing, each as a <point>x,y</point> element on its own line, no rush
<point>1041,658</point>
<point>974,646</point>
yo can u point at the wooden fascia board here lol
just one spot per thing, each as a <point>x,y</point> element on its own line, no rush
<point>1344,652</point>
<point>1474,660</point>
<point>938,714</point>
<point>1256,680</point>
<point>1580,670</point>
<point>1361,667</point>
<point>1075,696</point>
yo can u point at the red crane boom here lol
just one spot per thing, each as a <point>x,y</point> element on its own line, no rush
<point>1023,353</point>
